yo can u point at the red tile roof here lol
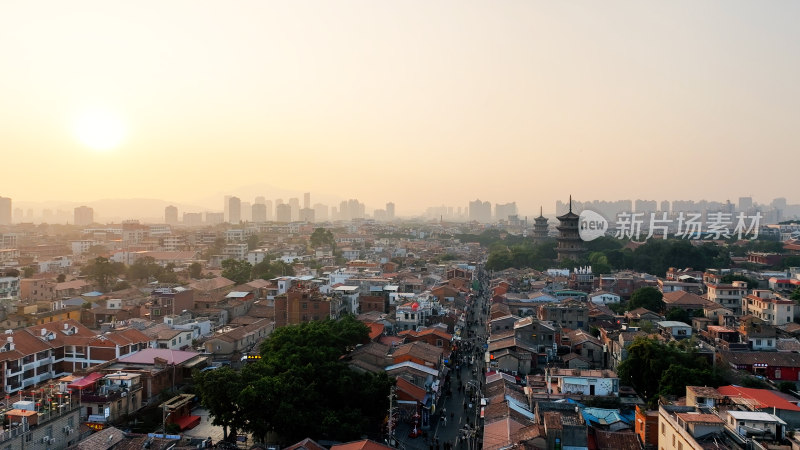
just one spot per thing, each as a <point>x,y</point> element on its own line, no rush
<point>765,398</point>
<point>375,330</point>
<point>412,390</point>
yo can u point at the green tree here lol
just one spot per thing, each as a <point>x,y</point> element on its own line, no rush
<point>654,368</point>
<point>647,297</point>
<point>236,271</point>
<point>219,391</point>
<point>144,268</point>
<point>167,274</point>
<point>252,241</point>
<point>795,294</point>
<point>322,237</point>
<point>195,270</point>
<point>679,314</point>
<point>101,271</point>
<point>61,278</point>
<point>599,263</point>
<point>328,399</point>
<point>28,272</point>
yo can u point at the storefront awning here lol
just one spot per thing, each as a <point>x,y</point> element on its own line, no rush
<point>85,381</point>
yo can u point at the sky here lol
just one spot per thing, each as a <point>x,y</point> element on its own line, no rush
<point>422,103</point>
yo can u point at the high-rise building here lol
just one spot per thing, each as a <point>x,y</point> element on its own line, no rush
<point>283,213</point>
<point>259,212</point>
<point>226,207</point>
<point>234,210</point>
<point>480,211</point>
<point>294,202</point>
<point>320,212</point>
<point>260,200</point>
<point>390,211</point>
<point>5,211</point>
<point>215,218</point>
<point>270,211</point>
<point>84,216</point>
<point>307,200</point>
<point>645,206</point>
<point>307,215</point>
<point>247,211</point>
<point>171,215</point>
<point>745,203</point>
<point>192,219</point>
<point>503,211</point>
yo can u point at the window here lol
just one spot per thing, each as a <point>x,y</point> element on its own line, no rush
<point>663,429</point>
<point>758,341</point>
<point>680,445</point>
<point>673,441</point>
<point>778,374</point>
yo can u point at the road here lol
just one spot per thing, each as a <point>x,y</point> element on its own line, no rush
<point>457,425</point>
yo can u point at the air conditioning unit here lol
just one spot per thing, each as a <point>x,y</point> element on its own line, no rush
<point>46,440</point>
<point>66,429</point>
<point>52,441</point>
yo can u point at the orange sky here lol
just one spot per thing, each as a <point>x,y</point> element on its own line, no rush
<point>417,102</point>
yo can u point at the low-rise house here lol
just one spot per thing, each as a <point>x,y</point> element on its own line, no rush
<point>755,423</point>
<point>684,300</point>
<point>239,340</point>
<point>675,329</point>
<point>110,397</point>
<point>703,396</point>
<point>604,298</point>
<point>570,314</point>
<point>728,295</point>
<point>758,334</point>
<point>587,346</point>
<point>159,368</point>
<point>769,307</point>
<point>765,400</point>
<point>586,382</point>
<point>434,336</point>
<point>684,428</point>
<point>776,366</point>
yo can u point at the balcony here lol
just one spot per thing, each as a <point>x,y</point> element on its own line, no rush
<point>99,397</point>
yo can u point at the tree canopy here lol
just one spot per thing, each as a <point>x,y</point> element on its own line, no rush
<point>647,297</point>
<point>328,399</point>
<point>102,271</point>
<point>654,369</point>
<point>322,237</point>
<point>236,271</point>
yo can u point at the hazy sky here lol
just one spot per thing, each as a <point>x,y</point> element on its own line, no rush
<point>418,102</point>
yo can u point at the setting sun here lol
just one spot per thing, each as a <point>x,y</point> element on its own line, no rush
<point>99,130</point>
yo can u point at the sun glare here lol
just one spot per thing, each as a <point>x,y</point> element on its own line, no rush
<point>99,130</point>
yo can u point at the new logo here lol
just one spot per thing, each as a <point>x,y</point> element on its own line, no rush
<point>591,225</point>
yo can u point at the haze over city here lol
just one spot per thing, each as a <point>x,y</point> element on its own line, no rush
<point>418,103</point>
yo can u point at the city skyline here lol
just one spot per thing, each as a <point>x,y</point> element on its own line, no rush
<point>264,209</point>
<point>496,100</point>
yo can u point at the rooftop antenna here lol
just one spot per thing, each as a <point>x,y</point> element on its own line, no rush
<point>570,203</point>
